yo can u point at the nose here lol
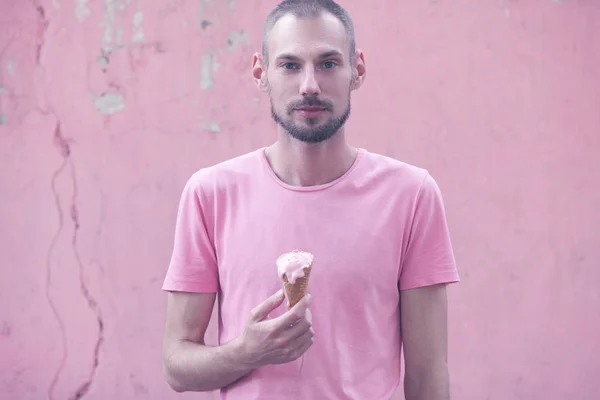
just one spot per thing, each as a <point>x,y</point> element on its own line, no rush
<point>309,85</point>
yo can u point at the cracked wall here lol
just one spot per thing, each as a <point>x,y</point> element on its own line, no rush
<point>107,107</point>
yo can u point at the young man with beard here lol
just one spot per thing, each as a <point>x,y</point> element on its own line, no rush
<point>376,227</point>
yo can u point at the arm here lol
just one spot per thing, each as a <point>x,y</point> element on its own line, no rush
<point>189,364</point>
<point>192,282</point>
<point>424,333</point>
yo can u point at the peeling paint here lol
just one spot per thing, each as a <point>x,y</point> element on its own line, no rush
<point>120,32</point>
<point>212,126</point>
<point>109,103</point>
<point>109,21</point>
<point>10,67</point>
<point>236,38</point>
<point>82,10</point>
<point>110,38</point>
<point>3,119</point>
<point>104,60</point>
<point>209,66</point>
<point>138,32</point>
<point>203,20</point>
<point>201,12</point>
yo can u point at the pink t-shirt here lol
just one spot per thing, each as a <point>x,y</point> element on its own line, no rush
<point>378,229</point>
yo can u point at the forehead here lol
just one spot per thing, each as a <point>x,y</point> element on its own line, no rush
<point>307,37</point>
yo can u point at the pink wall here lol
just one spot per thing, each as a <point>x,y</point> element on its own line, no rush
<point>107,107</point>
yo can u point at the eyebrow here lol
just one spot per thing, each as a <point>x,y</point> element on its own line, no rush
<point>327,54</point>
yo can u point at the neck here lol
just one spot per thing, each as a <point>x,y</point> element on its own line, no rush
<point>309,164</point>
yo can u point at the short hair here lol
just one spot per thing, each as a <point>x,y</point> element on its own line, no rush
<point>308,9</point>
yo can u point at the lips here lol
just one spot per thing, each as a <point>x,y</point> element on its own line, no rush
<point>311,108</point>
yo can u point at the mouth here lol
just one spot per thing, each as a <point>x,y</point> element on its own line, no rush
<point>311,108</point>
<point>310,111</point>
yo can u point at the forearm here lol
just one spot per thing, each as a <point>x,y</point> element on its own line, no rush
<point>431,384</point>
<point>192,367</point>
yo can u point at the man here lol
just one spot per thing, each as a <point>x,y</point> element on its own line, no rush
<point>376,227</point>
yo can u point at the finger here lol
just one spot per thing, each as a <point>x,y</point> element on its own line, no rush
<point>293,315</point>
<point>261,311</point>
<point>298,330</point>
<point>302,347</point>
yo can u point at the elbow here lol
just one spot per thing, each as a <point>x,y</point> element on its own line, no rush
<point>175,384</point>
<point>180,383</point>
<point>171,372</point>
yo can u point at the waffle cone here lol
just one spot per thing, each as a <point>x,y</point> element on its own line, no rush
<point>294,293</point>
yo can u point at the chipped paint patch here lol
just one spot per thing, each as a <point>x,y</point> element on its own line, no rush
<point>204,21</point>
<point>120,32</point>
<point>209,66</point>
<point>236,38</point>
<point>109,103</point>
<point>56,4</point>
<point>82,10</point>
<point>2,89</point>
<point>201,12</point>
<point>110,38</point>
<point>138,32</point>
<point>10,67</point>
<point>212,126</point>
<point>109,22</point>
<point>3,119</point>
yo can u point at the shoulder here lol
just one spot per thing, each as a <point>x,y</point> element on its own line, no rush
<point>227,173</point>
<point>397,174</point>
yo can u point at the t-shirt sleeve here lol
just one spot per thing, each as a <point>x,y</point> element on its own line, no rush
<point>428,258</point>
<point>193,265</point>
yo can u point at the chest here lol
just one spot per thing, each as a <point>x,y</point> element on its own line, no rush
<point>356,243</point>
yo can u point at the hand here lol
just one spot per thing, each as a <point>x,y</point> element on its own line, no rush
<point>278,340</point>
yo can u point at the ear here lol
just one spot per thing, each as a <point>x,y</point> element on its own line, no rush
<point>360,70</point>
<point>259,72</point>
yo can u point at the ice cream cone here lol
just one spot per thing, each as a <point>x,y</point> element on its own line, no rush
<point>294,269</point>
<point>296,291</point>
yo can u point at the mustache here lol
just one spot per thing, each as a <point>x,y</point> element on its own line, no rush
<point>310,101</point>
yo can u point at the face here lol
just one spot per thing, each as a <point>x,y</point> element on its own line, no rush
<point>309,76</point>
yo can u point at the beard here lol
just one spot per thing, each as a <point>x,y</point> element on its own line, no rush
<point>312,133</point>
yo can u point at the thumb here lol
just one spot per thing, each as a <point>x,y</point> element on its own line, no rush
<point>261,311</point>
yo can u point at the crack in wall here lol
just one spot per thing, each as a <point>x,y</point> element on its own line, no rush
<point>42,27</point>
<point>65,152</point>
<point>84,388</point>
<point>64,147</point>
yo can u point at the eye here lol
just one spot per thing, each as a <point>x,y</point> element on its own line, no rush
<point>329,64</point>
<point>288,66</point>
